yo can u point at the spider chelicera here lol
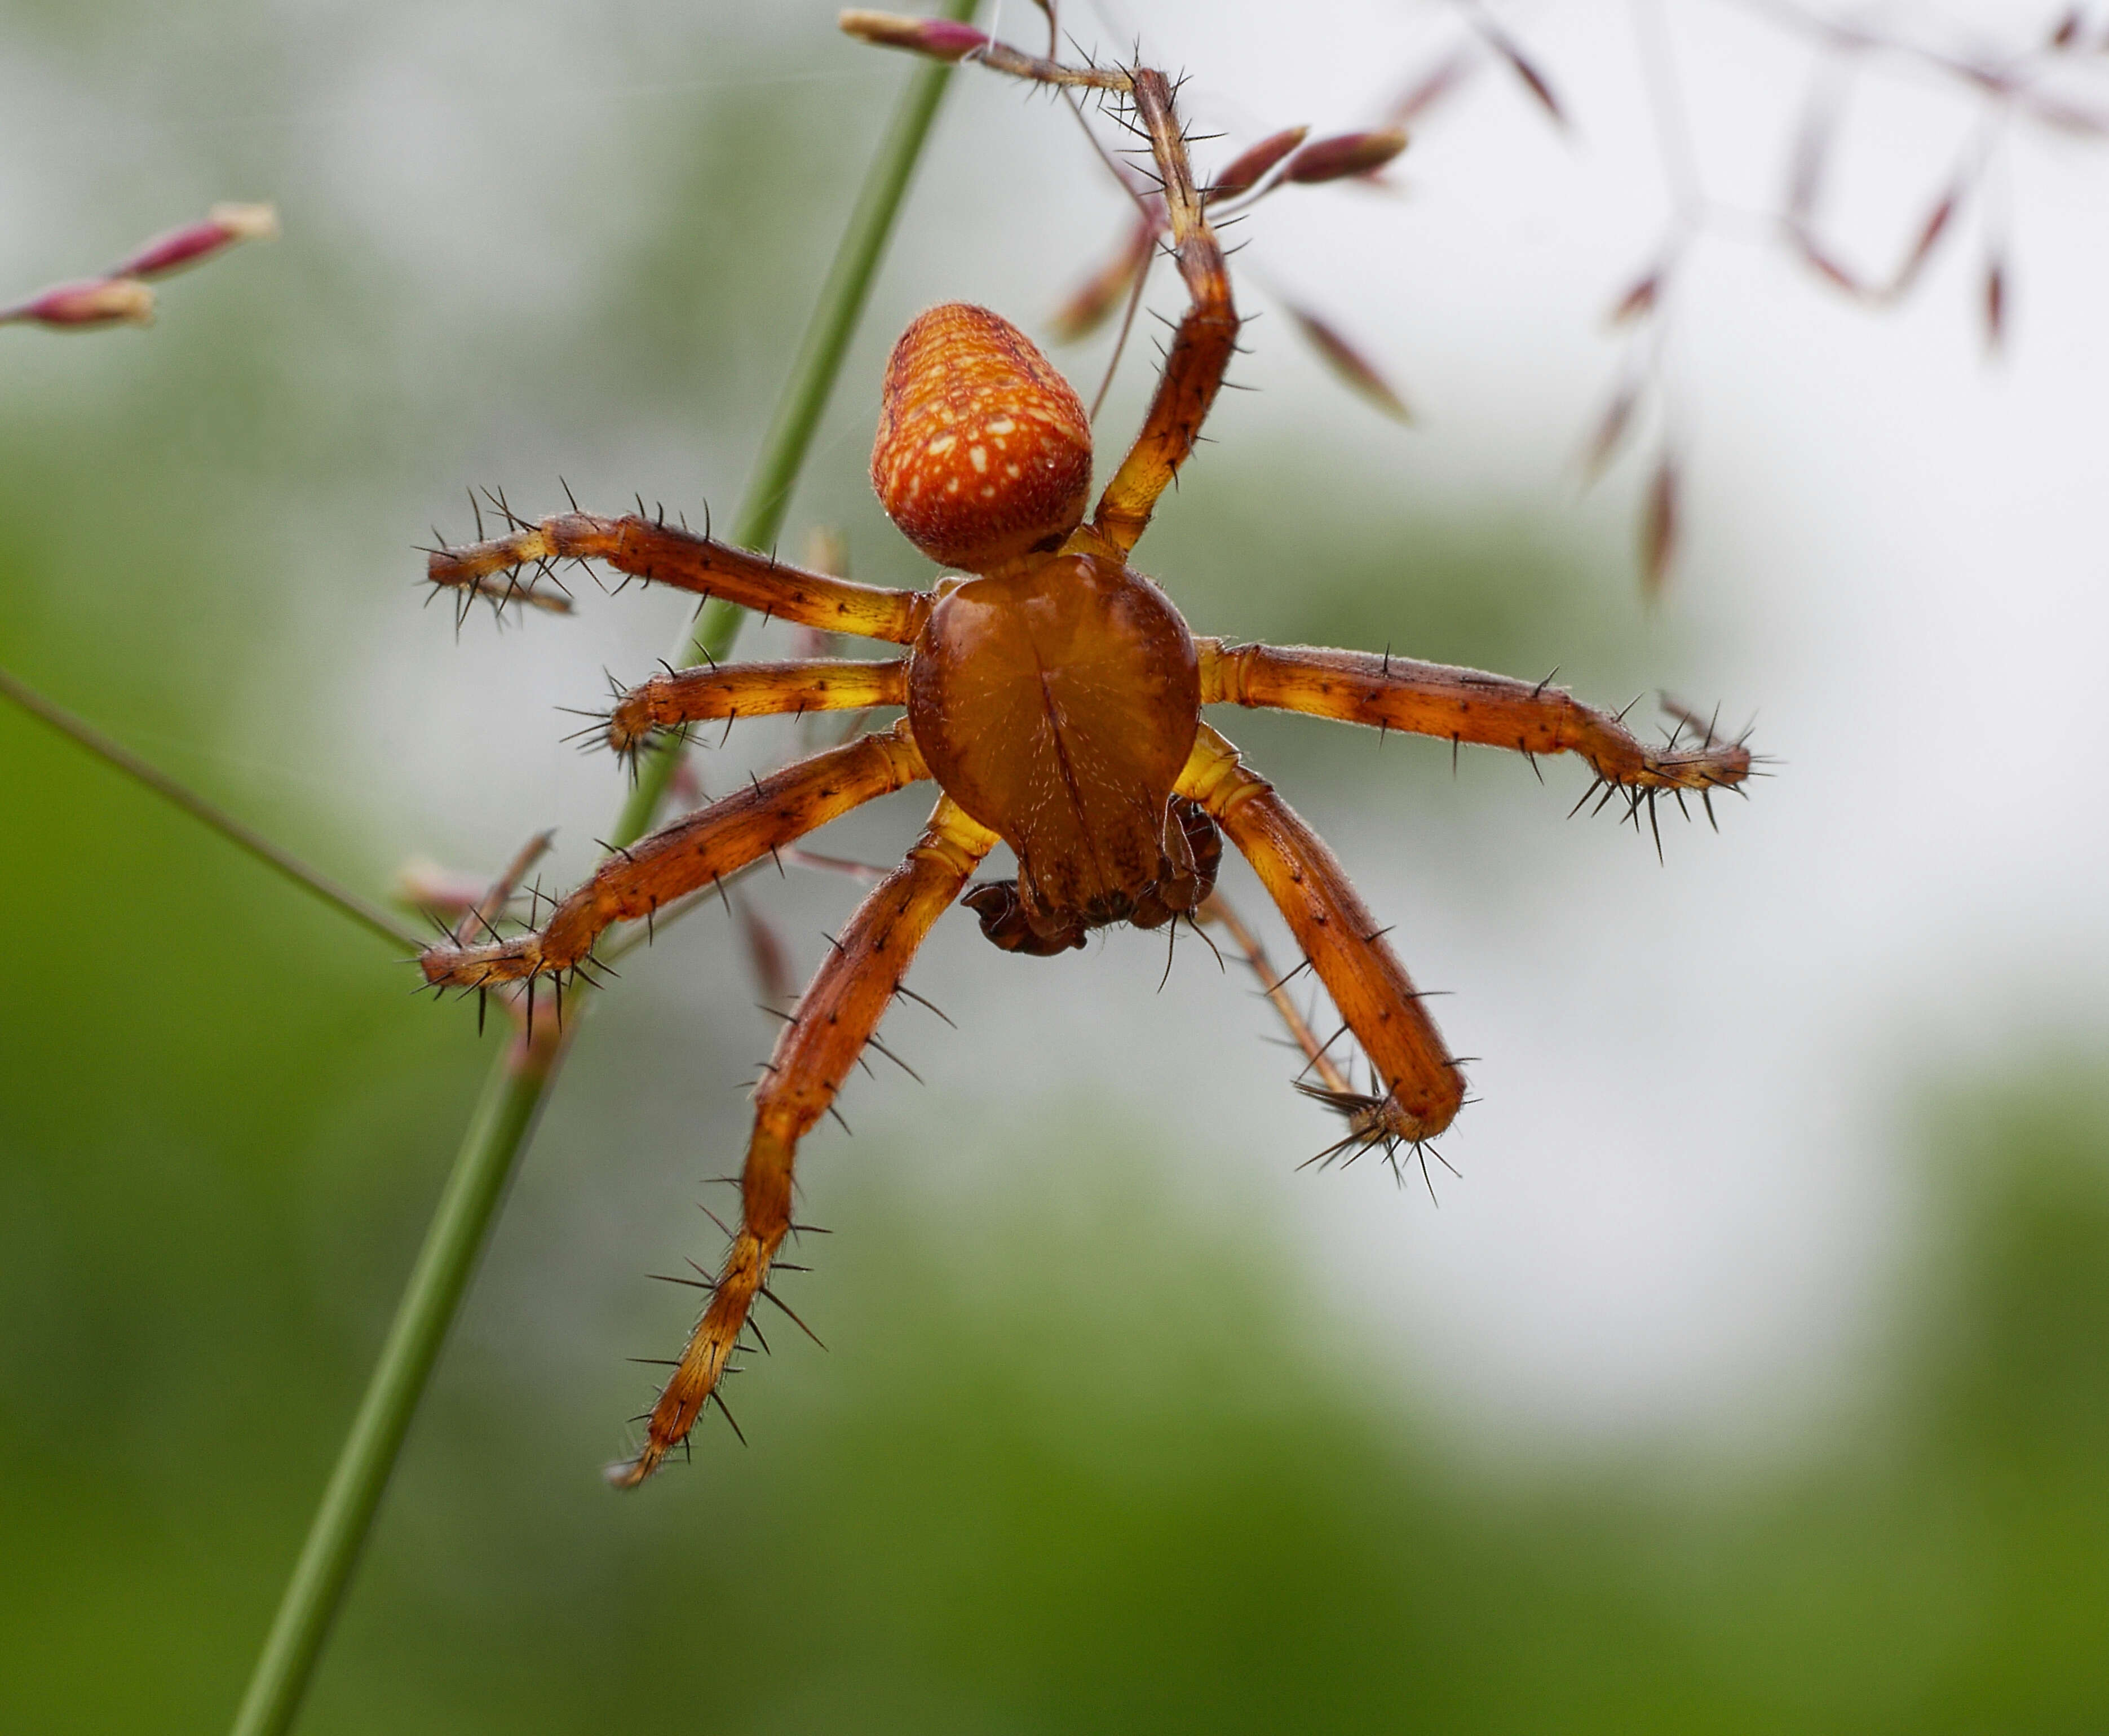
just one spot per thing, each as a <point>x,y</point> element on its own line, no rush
<point>1053,695</point>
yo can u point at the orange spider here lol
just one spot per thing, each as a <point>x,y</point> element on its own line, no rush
<point>1054,697</point>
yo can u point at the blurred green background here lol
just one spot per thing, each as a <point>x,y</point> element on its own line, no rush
<point>1084,1454</point>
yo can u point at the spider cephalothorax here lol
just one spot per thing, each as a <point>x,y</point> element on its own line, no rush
<point>1055,696</point>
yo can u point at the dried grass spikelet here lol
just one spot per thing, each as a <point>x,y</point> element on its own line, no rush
<point>1251,165</point>
<point>1658,529</point>
<point>224,226</point>
<point>1099,297</point>
<point>940,38</point>
<point>1345,155</point>
<point>87,305</point>
<point>984,451</point>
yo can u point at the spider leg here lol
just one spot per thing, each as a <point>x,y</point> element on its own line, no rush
<point>1372,1118</point>
<point>1208,335</point>
<point>1464,705</point>
<point>1422,1087</point>
<point>1217,911</point>
<point>691,852</point>
<point>1201,348</point>
<point>835,1018</point>
<point>661,554</point>
<point>692,696</point>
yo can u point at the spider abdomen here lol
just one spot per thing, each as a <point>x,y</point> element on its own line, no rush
<point>983,453</point>
<point>1058,707</point>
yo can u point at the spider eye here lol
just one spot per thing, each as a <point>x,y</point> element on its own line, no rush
<point>984,451</point>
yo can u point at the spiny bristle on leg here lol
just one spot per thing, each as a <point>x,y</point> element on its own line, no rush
<point>1375,1120</point>
<point>500,587</point>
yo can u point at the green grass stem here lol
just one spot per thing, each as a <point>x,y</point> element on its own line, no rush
<point>243,836</point>
<point>520,1084</point>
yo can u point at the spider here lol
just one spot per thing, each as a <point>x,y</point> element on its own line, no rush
<point>1053,695</point>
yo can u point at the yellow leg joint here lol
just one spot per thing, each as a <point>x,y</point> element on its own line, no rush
<point>955,838</point>
<point>1215,777</point>
<point>1223,670</point>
